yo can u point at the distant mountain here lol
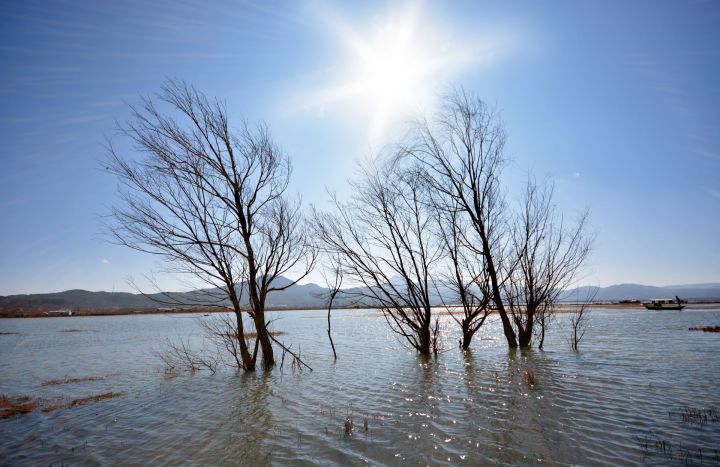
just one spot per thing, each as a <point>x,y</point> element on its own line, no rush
<point>619,292</point>
<point>312,295</point>
<point>305,295</point>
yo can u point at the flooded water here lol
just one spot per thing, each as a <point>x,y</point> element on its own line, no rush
<point>629,396</point>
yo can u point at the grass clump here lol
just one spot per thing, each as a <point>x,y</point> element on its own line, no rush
<point>22,405</point>
<point>90,399</point>
<point>706,329</point>
<point>57,382</point>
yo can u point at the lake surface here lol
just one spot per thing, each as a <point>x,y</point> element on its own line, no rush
<point>619,400</point>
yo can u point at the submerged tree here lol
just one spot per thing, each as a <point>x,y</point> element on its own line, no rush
<point>549,253</point>
<point>465,280</point>
<point>384,243</point>
<point>334,281</point>
<point>210,200</point>
<point>580,320</point>
<point>461,155</point>
<point>521,260</point>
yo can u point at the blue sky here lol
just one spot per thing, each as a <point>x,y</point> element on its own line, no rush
<point>618,102</point>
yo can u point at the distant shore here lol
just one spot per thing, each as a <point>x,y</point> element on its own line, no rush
<point>561,308</point>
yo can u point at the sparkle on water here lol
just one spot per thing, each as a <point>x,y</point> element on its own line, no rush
<point>626,397</point>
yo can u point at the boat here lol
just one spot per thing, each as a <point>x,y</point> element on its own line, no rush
<point>665,304</point>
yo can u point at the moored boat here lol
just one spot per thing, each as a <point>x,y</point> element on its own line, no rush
<point>665,304</point>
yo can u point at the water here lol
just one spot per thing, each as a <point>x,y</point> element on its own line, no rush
<point>614,402</point>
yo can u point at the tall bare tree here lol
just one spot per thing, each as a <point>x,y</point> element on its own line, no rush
<point>461,154</point>
<point>210,200</point>
<point>526,257</point>
<point>384,241</point>
<point>549,254</point>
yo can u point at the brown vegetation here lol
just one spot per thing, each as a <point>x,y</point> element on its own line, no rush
<point>57,382</point>
<point>23,405</point>
<point>10,406</point>
<point>99,397</point>
<point>53,407</point>
<point>706,329</point>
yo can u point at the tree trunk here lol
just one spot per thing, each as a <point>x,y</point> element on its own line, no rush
<point>507,328</point>
<point>497,296</point>
<point>467,336</point>
<point>248,362</point>
<point>524,338</point>
<point>263,337</point>
<point>332,344</point>
<point>525,335</point>
<point>425,347</point>
<point>257,301</point>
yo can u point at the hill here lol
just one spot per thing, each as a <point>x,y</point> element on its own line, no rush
<point>309,296</point>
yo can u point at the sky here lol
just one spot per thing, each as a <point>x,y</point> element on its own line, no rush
<point>617,102</point>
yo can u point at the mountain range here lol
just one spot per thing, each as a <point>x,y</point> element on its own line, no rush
<point>312,295</point>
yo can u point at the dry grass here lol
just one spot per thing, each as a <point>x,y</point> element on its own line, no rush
<point>10,406</point>
<point>75,330</point>
<point>9,333</point>
<point>90,399</point>
<point>23,405</point>
<point>706,329</point>
<point>53,407</point>
<point>57,382</point>
<point>696,415</point>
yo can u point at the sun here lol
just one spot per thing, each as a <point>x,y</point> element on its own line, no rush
<point>386,71</point>
<point>392,72</point>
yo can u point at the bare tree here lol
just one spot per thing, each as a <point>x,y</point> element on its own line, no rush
<point>461,154</point>
<point>210,200</point>
<point>526,259</point>
<point>466,276</point>
<point>384,241</point>
<point>580,320</point>
<point>333,281</point>
<point>181,356</point>
<point>549,254</point>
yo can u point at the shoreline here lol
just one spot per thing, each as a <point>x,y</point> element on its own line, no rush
<point>561,308</point>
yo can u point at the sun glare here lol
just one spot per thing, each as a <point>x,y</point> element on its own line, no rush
<point>387,71</point>
<point>391,72</point>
